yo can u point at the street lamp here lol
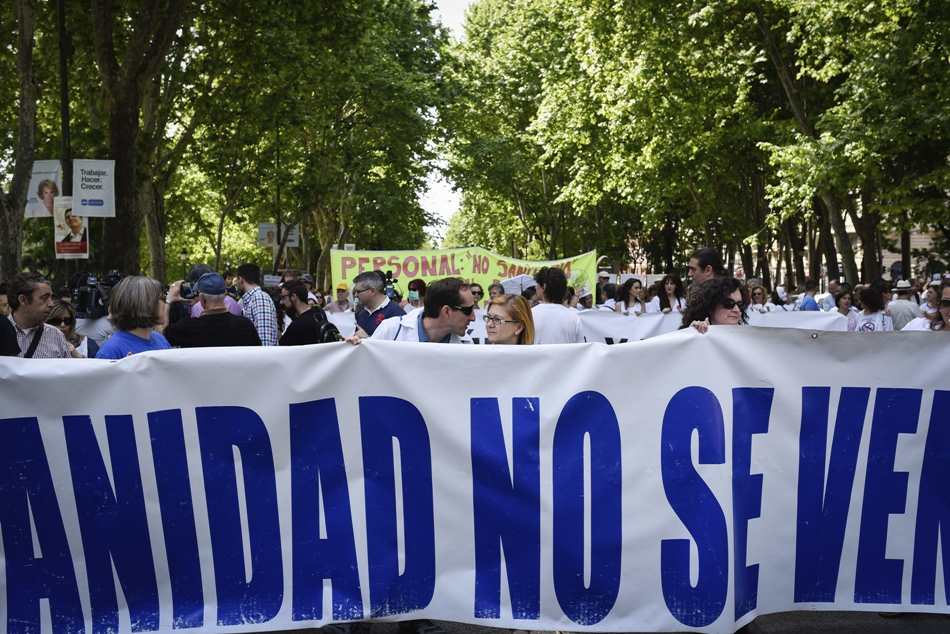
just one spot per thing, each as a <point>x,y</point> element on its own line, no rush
<point>183,254</point>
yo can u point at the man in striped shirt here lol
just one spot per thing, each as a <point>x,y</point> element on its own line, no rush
<point>31,301</point>
<point>257,305</point>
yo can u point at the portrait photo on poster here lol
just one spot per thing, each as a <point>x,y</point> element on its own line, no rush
<point>70,231</point>
<point>44,187</point>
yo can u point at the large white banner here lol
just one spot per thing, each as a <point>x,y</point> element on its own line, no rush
<point>45,185</point>
<point>94,188</point>
<point>684,481</point>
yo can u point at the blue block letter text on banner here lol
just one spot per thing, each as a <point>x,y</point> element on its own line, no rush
<point>220,431</point>
<point>319,473</point>
<point>696,506</point>
<point>507,508</point>
<point>823,501</point>
<point>588,414</point>
<point>26,489</point>
<point>878,579</point>
<point>382,419</point>
<point>113,523</point>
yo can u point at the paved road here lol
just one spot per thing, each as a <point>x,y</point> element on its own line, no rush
<point>784,623</point>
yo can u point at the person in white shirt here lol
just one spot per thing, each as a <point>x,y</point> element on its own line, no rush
<point>553,322</point>
<point>671,298</point>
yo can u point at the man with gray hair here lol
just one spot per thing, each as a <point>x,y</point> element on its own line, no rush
<point>215,327</point>
<point>369,289</point>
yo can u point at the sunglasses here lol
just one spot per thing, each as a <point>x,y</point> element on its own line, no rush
<point>945,303</point>
<point>478,293</point>
<point>55,321</point>
<point>730,303</point>
<point>465,310</point>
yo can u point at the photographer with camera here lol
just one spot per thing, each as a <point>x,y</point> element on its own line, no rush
<point>215,326</point>
<point>91,301</point>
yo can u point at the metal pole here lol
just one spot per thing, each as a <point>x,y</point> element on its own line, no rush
<point>65,52</point>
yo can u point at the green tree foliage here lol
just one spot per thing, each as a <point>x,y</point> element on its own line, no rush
<point>667,125</point>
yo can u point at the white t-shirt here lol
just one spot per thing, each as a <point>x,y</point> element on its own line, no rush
<point>554,323</point>
<point>921,323</point>
<point>875,322</point>
<point>678,307</point>
<point>632,310</point>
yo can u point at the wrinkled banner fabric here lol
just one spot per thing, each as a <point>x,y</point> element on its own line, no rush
<point>684,481</point>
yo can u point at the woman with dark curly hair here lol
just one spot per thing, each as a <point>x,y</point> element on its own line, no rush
<point>718,302</point>
<point>670,296</point>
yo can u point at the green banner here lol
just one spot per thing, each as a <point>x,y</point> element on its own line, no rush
<point>472,264</point>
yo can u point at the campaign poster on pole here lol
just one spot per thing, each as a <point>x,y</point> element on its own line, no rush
<point>267,235</point>
<point>44,187</point>
<point>70,232</point>
<point>94,188</point>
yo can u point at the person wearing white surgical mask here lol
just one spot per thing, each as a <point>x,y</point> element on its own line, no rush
<point>416,295</point>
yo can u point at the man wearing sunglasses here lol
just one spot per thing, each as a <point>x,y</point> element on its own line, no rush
<point>449,309</point>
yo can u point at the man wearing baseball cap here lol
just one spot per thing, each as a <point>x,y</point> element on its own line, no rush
<point>342,303</point>
<point>216,326</point>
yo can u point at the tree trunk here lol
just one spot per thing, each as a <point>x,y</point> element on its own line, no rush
<point>906,272</point>
<point>152,204</point>
<point>748,261</point>
<point>121,236</point>
<point>826,240</point>
<point>13,201</point>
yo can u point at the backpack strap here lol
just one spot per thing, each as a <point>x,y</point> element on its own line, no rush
<point>35,341</point>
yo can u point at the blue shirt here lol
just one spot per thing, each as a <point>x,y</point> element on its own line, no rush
<point>370,321</point>
<point>809,303</point>
<point>119,345</point>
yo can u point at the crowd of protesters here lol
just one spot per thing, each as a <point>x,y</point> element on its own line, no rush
<point>209,309</point>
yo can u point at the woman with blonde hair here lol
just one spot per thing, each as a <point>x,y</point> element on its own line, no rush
<point>509,320</point>
<point>63,316</point>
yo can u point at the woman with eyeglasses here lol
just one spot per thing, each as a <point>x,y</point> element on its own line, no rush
<point>759,296</point>
<point>718,302</point>
<point>939,321</point>
<point>63,316</point>
<point>631,298</point>
<point>509,321</point>
<point>477,293</point>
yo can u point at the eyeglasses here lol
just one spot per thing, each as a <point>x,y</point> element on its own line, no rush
<point>284,296</point>
<point>498,320</point>
<point>319,298</point>
<point>729,303</point>
<point>362,290</point>
<point>465,310</point>
<point>55,321</point>
<point>477,293</point>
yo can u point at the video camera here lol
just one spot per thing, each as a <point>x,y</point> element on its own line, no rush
<point>390,281</point>
<point>91,295</point>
